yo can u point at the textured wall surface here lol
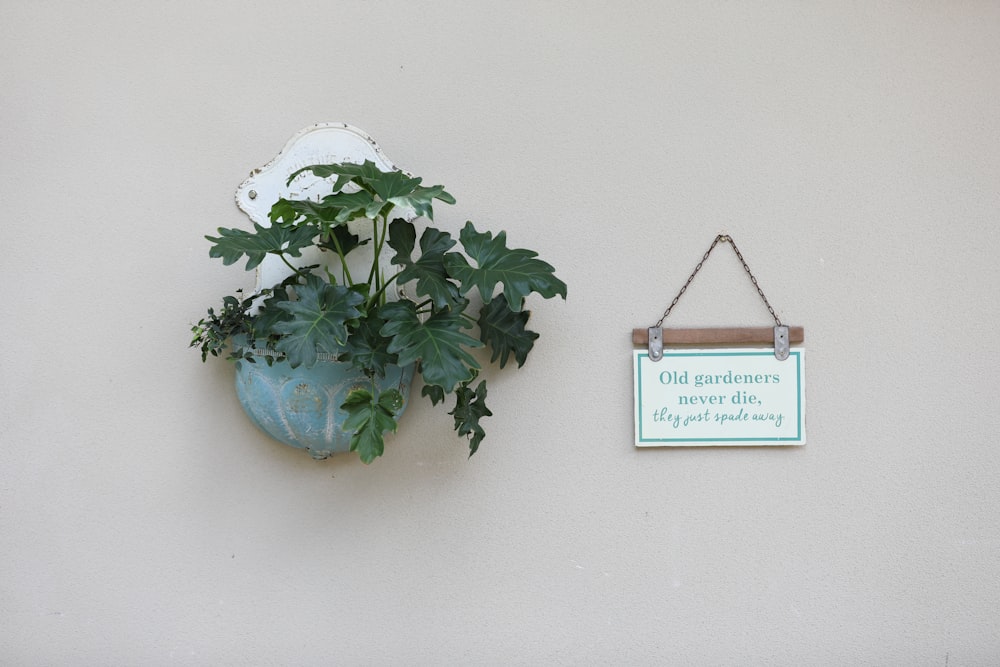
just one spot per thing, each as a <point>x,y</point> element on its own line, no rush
<point>851,149</point>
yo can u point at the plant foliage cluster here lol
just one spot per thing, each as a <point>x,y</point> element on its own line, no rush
<point>325,309</point>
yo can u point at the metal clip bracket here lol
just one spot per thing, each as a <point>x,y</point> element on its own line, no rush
<point>781,342</point>
<point>655,343</point>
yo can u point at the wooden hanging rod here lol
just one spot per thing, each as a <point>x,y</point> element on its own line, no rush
<point>720,336</point>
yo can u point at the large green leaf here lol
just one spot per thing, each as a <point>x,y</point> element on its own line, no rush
<point>428,270</point>
<point>390,187</point>
<point>334,209</point>
<point>518,269</point>
<point>438,343</point>
<point>231,244</point>
<point>346,172</point>
<point>320,318</point>
<point>270,315</point>
<point>470,407</point>
<point>504,331</point>
<point>367,349</point>
<point>370,417</point>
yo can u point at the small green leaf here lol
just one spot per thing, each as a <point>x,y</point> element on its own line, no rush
<point>438,343</point>
<point>518,269</point>
<point>428,270</point>
<point>390,185</point>
<point>420,200</point>
<point>403,239</point>
<point>231,244</point>
<point>340,240</point>
<point>433,392</point>
<point>319,320</point>
<point>391,401</point>
<point>470,407</point>
<point>504,331</point>
<point>370,418</point>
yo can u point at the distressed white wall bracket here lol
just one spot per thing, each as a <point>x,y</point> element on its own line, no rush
<point>323,143</point>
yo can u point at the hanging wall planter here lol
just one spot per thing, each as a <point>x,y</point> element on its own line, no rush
<point>301,406</point>
<point>352,298</point>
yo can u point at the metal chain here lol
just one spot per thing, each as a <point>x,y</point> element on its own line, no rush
<point>721,238</point>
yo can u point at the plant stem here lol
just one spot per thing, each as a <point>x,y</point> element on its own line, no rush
<point>373,275</point>
<point>290,265</point>
<point>381,292</point>
<point>343,261</point>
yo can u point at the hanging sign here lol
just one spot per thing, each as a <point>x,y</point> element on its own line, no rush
<point>689,394</point>
<point>731,396</point>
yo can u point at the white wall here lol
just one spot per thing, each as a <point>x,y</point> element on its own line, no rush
<point>851,149</point>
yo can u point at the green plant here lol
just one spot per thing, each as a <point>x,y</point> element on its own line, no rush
<point>327,308</point>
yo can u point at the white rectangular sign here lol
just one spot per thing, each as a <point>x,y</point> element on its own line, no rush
<point>739,396</point>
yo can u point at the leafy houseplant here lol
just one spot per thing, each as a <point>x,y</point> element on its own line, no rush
<point>328,309</point>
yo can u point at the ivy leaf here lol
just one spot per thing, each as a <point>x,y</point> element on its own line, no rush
<point>367,349</point>
<point>428,270</point>
<point>433,392</point>
<point>370,418</point>
<point>231,244</point>
<point>438,343</point>
<point>504,331</point>
<point>320,318</point>
<point>470,407</point>
<point>518,269</point>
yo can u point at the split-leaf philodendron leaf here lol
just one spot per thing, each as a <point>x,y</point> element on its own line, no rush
<point>438,343</point>
<point>470,407</point>
<point>503,330</point>
<point>231,244</point>
<point>319,320</point>
<point>370,417</point>
<point>517,269</point>
<point>428,269</point>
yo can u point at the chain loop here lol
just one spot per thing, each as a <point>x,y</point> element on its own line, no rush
<point>721,238</point>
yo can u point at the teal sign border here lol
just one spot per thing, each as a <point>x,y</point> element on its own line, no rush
<point>800,421</point>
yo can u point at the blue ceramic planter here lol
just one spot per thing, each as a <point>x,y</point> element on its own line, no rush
<point>301,406</point>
